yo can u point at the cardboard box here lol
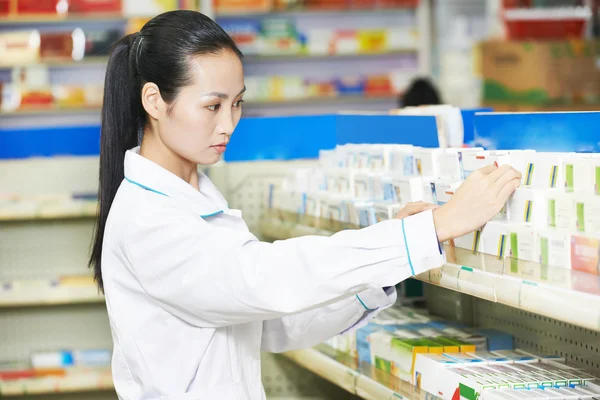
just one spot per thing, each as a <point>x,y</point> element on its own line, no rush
<point>540,73</point>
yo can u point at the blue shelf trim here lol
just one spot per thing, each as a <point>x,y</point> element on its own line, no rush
<point>256,138</point>
<point>561,131</point>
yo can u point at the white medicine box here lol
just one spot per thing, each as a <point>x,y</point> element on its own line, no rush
<point>443,190</point>
<point>495,239</point>
<point>474,161</point>
<point>582,173</point>
<point>450,163</point>
<point>529,206</point>
<point>428,161</point>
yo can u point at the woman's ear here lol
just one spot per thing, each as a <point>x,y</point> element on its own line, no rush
<point>152,100</point>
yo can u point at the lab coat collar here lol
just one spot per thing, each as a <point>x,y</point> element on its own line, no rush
<point>146,174</point>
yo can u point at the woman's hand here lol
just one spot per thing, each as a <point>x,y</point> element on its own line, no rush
<point>481,196</point>
<point>414,208</point>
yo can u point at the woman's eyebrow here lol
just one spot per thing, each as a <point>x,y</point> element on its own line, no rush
<point>223,96</point>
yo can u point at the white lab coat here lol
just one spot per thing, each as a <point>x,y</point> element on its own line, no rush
<point>193,297</point>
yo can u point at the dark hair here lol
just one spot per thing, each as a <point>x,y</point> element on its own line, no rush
<point>420,93</point>
<point>160,53</point>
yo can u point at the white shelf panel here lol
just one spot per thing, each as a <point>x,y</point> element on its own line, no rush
<point>566,295</point>
<point>49,292</point>
<point>301,56</point>
<point>62,63</point>
<point>18,211</point>
<point>90,380</point>
<point>362,380</point>
<point>70,18</point>
<point>52,110</point>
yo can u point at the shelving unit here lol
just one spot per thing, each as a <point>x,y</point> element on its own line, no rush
<point>70,18</point>
<point>90,380</point>
<point>49,292</point>
<point>559,293</point>
<point>362,380</point>
<point>63,63</point>
<point>22,211</point>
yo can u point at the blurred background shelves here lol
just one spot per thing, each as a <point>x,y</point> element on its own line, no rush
<point>49,292</point>
<point>14,209</point>
<point>81,381</point>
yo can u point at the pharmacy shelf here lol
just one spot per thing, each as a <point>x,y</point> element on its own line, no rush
<point>49,292</point>
<point>362,380</point>
<point>349,99</point>
<point>88,380</point>
<point>70,18</point>
<point>52,110</point>
<point>566,295</point>
<point>303,56</point>
<point>308,12</point>
<point>23,211</point>
<point>345,99</point>
<point>87,61</point>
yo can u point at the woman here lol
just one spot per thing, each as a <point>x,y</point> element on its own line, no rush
<point>192,296</point>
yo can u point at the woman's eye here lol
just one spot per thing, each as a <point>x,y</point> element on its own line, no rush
<point>238,103</point>
<point>214,107</point>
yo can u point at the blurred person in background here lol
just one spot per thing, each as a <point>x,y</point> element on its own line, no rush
<point>193,297</point>
<point>421,92</point>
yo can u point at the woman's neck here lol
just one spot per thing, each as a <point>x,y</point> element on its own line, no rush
<point>155,150</point>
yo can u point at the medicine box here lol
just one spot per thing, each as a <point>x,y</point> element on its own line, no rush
<point>360,186</point>
<point>523,243</point>
<point>428,161</point>
<point>450,163</point>
<point>443,190</point>
<point>395,355</point>
<point>587,210</point>
<point>469,242</point>
<point>495,239</point>
<point>529,206</point>
<point>449,380</point>
<point>585,253</point>
<point>400,160</point>
<point>474,161</point>
<point>384,212</point>
<point>407,190</point>
<point>582,173</point>
<point>562,210</point>
<point>553,247</point>
<point>520,160</point>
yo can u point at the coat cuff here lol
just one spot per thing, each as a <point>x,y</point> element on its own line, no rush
<point>423,249</point>
<point>373,301</point>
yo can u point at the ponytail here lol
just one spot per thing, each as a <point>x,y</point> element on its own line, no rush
<point>120,129</point>
<point>160,53</point>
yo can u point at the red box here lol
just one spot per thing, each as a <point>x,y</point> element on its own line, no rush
<point>545,29</point>
<point>95,6</point>
<point>4,7</point>
<point>327,4</point>
<point>42,6</point>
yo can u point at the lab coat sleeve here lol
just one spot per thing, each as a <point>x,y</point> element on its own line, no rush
<point>214,276</point>
<point>312,327</point>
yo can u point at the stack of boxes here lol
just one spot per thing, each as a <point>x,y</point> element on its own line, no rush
<point>553,219</point>
<point>502,375</point>
<point>451,361</point>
